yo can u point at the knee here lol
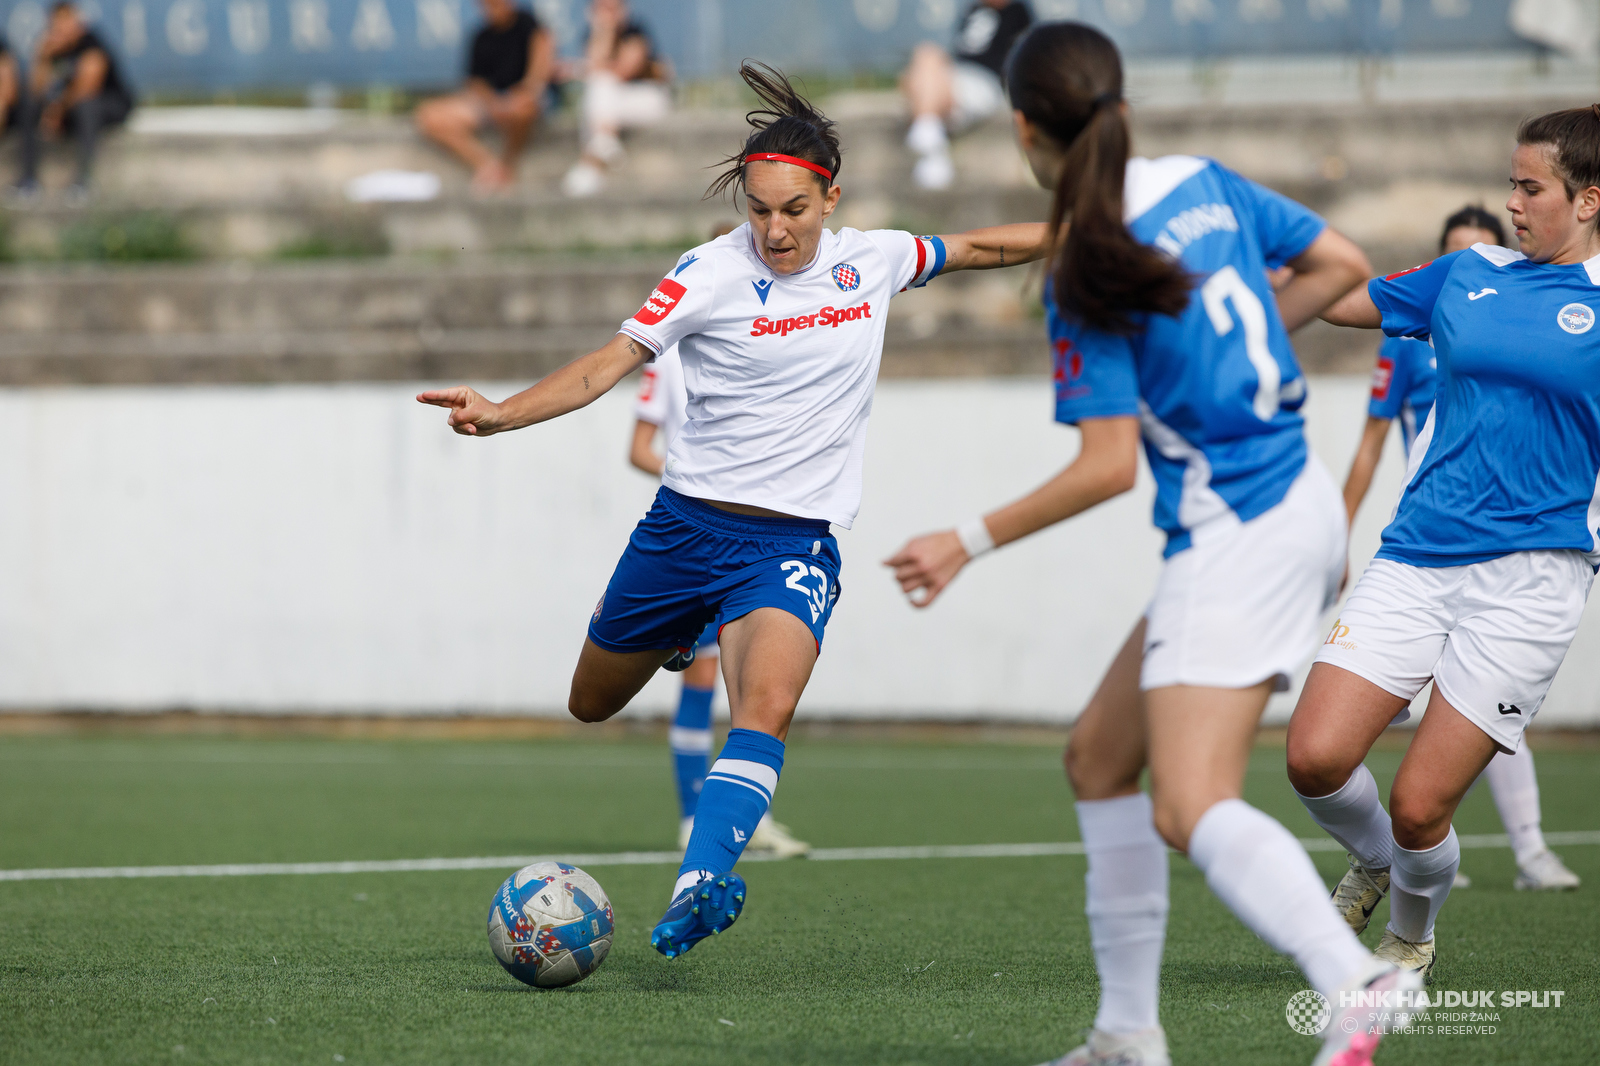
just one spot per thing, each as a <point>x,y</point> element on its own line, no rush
<point>927,54</point>
<point>589,707</point>
<point>1092,775</point>
<point>1420,822</point>
<point>1172,824</point>
<point>430,117</point>
<point>1313,771</point>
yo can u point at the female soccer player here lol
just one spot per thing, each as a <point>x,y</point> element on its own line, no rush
<point>1486,567</point>
<point>780,327</point>
<point>1163,322</point>
<point>660,411</point>
<point>1403,384</point>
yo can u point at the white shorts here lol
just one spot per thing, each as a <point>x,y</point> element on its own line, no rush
<point>976,93</point>
<point>1490,635</point>
<point>1243,604</point>
<point>610,103</point>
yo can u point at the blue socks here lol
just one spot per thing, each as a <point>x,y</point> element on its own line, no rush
<point>690,738</point>
<point>737,793</point>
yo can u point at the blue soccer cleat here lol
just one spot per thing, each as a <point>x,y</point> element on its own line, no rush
<point>681,660</point>
<point>698,912</point>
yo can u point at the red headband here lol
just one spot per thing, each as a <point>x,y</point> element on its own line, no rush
<point>776,158</point>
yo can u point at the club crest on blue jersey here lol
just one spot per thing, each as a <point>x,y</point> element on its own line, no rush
<point>762,287</point>
<point>1575,318</point>
<point>846,277</point>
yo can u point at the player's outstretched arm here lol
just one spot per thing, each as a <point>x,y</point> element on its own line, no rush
<point>1332,267</point>
<point>575,385</point>
<point>996,246</point>
<point>1107,465</point>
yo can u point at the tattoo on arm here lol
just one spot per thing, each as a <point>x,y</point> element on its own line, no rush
<point>586,383</point>
<point>1002,255</point>
<point>632,350</point>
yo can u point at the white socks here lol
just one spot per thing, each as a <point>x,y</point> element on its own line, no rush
<point>927,136</point>
<point>1355,818</point>
<point>1516,795</point>
<point>1265,877</point>
<point>1127,907</point>
<point>1419,882</point>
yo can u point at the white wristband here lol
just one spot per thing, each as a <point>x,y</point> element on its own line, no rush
<point>974,536</point>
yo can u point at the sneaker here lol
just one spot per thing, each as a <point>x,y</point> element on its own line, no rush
<point>1356,895</point>
<point>1417,958</point>
<point>699,911</point>
<point>1461,881</point>
<point>679,661</point>
<point>774,839</point>
<point>1545,872</point>
<point>934,172</point>
<point>1148,1048</point>
<point>583,180</point>
<point>685,830</point>
<point>1352,1034</point>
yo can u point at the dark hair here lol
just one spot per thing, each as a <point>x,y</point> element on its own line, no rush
<point>1575,136</point>
<point>1473,216</point>
<point>1066,78</point>
<point>788,125</point>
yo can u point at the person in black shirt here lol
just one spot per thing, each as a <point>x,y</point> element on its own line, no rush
<point>948,91</point>
<point>74,87</point>
<point>508,72</point>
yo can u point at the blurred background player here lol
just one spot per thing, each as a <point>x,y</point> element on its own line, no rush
<point>660,412</point>
<point>1486,568</point>
<point>1255,534</point>
<point>75,87</point>
<point>1403,387</point>
<point>508,75</point>
<point>781,325</point>
<point>949,91</point>
<point>10,87</point>
<point>625,84</point>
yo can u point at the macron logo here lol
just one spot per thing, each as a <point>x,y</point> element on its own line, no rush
<point>763,287</point>
<point>1482,293</point>
<point>738,837</point>
<point>686,264</point>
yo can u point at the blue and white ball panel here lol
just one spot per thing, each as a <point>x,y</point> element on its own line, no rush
<point>550,925</point>
<point>1216,388</point>
<point>1510,460</point>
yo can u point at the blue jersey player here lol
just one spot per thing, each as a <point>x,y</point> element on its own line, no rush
<point>1403,385</point>
<point>1484,572</point>
<point>779,326</point>
<point>1165,326</point>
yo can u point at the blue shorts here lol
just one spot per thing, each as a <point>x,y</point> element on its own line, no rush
<point>689,565</point>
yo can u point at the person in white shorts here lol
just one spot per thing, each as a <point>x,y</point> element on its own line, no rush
<point>625,85</point>
<point>950,91</point>
<point>779,326</point>
<point>1485,570</point>
<point>659,414</point>
<point>1403,386</point>
<point>1164,325</point>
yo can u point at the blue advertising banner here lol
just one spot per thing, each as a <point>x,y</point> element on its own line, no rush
<point>234,44</point>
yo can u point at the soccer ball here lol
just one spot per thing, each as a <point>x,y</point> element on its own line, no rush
<point>550,925</point>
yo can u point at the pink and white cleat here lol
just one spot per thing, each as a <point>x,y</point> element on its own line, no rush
<point>1377,1000</point>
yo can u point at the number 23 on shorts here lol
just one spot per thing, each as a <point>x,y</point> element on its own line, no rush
<point>816,597</point>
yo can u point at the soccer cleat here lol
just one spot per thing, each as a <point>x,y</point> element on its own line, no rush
<point>1353,1031</point>
<point>698,912</point>
<point>680,660</point>
<point>1417,958</point>
<point>1356,895</point>
<point>774,839</point>
<point>1461,881</point>
<point>1147,1048</point>
<point>1545,872</point>
<point>685,831</point>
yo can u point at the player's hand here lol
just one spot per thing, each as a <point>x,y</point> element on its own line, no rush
<point>470,414</point>
<point>927,564</point>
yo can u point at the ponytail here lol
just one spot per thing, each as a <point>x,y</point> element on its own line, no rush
<point>787,126</point>
<point>1066,78</point>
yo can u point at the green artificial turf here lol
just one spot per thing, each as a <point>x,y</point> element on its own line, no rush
<point>904,961</point>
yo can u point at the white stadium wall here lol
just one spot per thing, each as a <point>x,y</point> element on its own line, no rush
<point>335,549</point>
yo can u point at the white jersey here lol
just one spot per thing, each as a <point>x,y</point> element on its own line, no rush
<point>780,369</point>
<point>662,397</point>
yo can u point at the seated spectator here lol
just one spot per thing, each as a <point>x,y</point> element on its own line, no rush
<point>75,87</point>
<point>10,86</point>
<point>625,84</point>
<point>947,95</point>
<point>508,75</point>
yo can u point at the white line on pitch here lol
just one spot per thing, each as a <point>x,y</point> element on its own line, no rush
<point>656,858</point>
